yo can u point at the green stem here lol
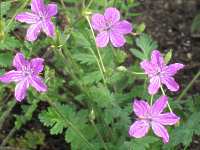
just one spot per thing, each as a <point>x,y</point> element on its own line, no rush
<point>151,102</point>
<point>98,65</point>
<point>137,73</point>
<point>62,3</point>
<point>144,87</point>
<point>69,123</point>
<point>11,133</point>
<point>188,86</point>
<point>105,3</point>
<point>98,51</point>
<point>89,4</point>
<point>168,105</point>
<point>99,135</point>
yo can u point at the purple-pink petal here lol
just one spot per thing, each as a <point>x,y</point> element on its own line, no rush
<point>48,27</point>
<point>122,27</point>
<point>171,84</point>
<point>33,31</point>
<point>167,119</point>
<point>154,85</point>
<point>20,90</point>
<point>98,22</point>
<point>19,61</point>
<point>11,76</point>
<point>157,59</point>
<point>148,67</point>
<point>173,69</point>
<point>27,17</point>
<point>141,108</point>
<point>139,129</point>
<point>117,39</point>
<point>102,39</point>
<point>38,7</point>
<point>38,83</point>
<point>51,10</point>
<point>159,105</point>
<point>160,131</point>
<point>37,65</point>
<point>112,15</point>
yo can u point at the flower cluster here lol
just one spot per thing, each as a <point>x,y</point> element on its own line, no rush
<point>151,116</point>
<point>109,28</point>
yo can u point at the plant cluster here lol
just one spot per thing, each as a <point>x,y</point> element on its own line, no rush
<point>77,63</point>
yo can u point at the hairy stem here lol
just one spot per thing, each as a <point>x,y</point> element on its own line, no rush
<point>168,105</point>
<point>98,51</point>
<point>69,123</point>
<point>104,80</point>
<point>89,4</point>
<point>151,102</point>
<point>99,134</point>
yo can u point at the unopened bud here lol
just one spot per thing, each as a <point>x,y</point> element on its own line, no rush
<point>122,68</point>
<point>92,115</point>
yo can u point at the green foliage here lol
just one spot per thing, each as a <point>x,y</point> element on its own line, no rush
<point>196,23</point>
<point>84,58</point>
<point>143,143</point>
<point>90,89</point>
<point>52,118</point>
<point>4,7</point>
<point>6,59</point>
<point>146,44</point>
<point>30,141</point>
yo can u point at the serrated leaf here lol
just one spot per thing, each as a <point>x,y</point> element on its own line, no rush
<point>51,118</point>
<point>81,39</point>
<point>184,133</point>
<point>92,77</point>
<point>146,44</point>
<point>137,53</point>
<point>101,95</point>
<point>6,59</point>
<point>10,43</point>
<point>143,143</point>
<point>84,58</point>
<point>75,139</point>
<point>4,7</point>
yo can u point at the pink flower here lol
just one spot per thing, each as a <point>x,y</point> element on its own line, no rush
<point>152,116</point>
<point>160,73</point>
<point>110,28</point>
<point>25,75</point>
<point>39,18</point>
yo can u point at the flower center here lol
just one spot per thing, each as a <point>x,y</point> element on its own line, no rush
<point>26,71</point>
